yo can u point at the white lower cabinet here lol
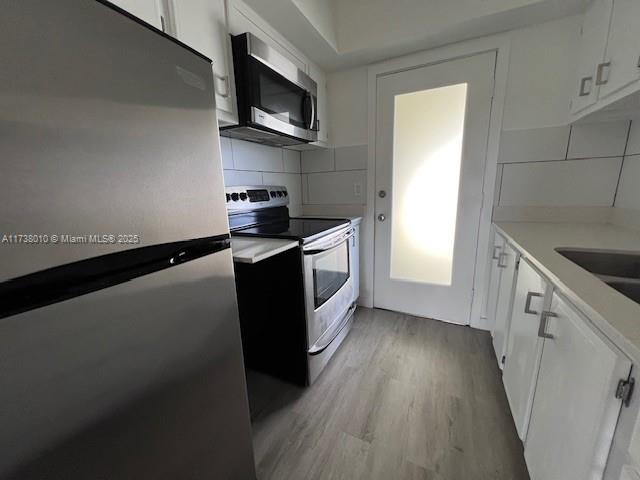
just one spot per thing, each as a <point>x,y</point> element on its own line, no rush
<point>508,263</point>
<point>494,278</point>
<point>524,346</point>
<point>575,409</point>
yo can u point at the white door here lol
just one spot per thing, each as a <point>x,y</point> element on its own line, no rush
<point>524,346</point>
<point>432,128</point>
<point>508,261</point>
<point>574,410</point>
<point>623,48</point>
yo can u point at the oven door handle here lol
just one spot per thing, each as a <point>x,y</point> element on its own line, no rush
<point>323,343</point>
<point>323,247</point>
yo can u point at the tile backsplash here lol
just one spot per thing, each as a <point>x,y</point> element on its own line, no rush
<point>247,163</point>
<point>335,176</point>
<point>569,166</point>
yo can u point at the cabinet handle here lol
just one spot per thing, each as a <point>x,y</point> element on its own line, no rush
<point>225,80</point>
<point>163,24</point>
<point>600,80</point>
<point>496,249</point>
<point>543,324</point>
<point>527,304</point>
<point>502,256</point>
<point>583,85</point>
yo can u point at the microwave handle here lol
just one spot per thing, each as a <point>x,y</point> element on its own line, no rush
<point>312,125</point>
<point>310,111</point>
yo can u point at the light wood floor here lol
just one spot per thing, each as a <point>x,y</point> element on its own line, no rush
<point>403,398</point>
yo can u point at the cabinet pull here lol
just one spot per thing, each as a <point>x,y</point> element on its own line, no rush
<point>502,256</point>
<point>496,255</point>
<point>527,305</point>
<point>224,79</point>
<point>583,85</point>
<point>600,77</point>
<point>543,324</point>
<point>163,24</point>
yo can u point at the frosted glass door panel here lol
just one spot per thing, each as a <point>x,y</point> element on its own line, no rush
<point>427,149</point>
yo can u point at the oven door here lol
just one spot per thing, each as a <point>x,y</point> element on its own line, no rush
<point>328,284</point>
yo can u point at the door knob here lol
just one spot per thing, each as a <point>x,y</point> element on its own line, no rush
<point>382,194</point>
<point>382,217</point>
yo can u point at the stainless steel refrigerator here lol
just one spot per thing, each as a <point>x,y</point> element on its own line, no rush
<point>120,353</point>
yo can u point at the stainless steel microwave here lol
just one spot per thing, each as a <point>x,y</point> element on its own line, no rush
<point>277,102</point>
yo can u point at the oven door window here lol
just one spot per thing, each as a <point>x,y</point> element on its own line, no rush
<point>279,97</point>
<point>330,272</point>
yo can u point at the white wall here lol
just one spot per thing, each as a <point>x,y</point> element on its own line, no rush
<point>247,163</point>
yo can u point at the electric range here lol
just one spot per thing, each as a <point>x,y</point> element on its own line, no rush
<point>296,307</point>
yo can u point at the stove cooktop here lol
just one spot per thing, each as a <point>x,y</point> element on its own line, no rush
<point>302,229</point>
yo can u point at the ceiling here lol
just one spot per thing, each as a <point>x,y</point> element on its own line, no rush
<point>339,34</point>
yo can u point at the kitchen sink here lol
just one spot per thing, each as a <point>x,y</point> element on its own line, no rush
<point>604,263</point>
<point>620,270</point>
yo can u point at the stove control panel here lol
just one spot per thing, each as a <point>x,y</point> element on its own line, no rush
<point>248,197</point>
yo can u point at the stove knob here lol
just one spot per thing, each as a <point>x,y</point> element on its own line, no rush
<point>273,194</point>
<point>243,196</point>
<point>235,197</point>
<point>228,197</point>
<point>284,192</point>
<point>279,193</point>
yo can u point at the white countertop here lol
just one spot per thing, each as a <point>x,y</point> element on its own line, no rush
<point>617,316</point>
<point>252,250</point>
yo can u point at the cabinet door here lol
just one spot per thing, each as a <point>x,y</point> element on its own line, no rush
<point>355,262</point>
<point>524,347</point>
<point>575,409</point>
<point>623,48</point>
<point>494,278</point>
<point>202,24</point>
<point>147,10</point>
<point>508,262</point>
<point>593,44</point>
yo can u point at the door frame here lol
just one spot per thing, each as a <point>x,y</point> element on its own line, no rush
<point>500,44</point>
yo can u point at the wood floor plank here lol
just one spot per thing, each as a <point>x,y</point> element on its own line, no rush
<point>403,398</point>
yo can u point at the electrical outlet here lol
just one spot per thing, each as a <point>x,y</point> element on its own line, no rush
<point>357,189</point>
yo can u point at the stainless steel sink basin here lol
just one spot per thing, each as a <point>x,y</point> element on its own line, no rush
<point>605,263</point>
<point>619,270</point>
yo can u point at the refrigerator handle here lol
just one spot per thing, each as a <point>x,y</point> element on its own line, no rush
<point>72,280</point>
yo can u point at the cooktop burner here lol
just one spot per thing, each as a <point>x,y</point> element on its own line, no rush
<point>304,229</point>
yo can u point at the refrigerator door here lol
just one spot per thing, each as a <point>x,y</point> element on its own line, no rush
<point>106,127</point>
<point>143,379</point>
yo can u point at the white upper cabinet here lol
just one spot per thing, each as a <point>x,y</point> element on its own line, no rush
<point>147,10</point>
<point>609,63</point>
<point>243,19</point>
<point>622,61</point>
<point>575,409</point>
<point>202,24</point>
<point>524,346</point>
<point>595,29</point>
